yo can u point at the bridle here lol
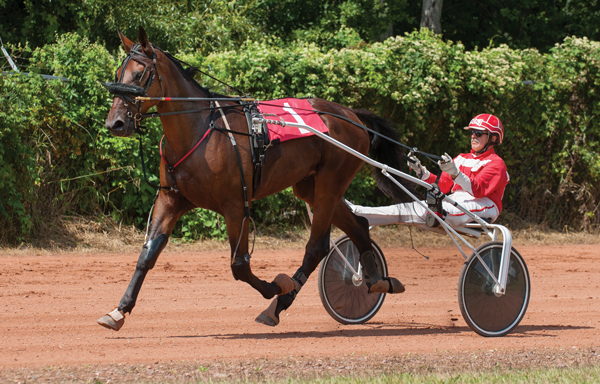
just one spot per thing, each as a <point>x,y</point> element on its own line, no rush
<point>129,92</point>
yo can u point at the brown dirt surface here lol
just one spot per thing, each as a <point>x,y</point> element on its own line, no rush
<point>193,321</point>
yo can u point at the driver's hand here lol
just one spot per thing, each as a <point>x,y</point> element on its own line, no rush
<point>447,165</point>
<point>415,165</point>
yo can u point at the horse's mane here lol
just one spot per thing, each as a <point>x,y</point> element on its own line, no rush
<point>189,72</point>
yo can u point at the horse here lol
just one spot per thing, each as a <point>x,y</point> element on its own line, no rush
<point>211,173</point>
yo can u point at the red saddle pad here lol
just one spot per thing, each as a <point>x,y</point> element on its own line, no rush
<point>291,111</point>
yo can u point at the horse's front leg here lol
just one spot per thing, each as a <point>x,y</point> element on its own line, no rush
<point>240,257</point>
<point>170,206</point>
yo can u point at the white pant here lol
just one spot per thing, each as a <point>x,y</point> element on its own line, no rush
<point>413,213</point>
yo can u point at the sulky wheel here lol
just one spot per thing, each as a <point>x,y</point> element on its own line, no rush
<point>346,298</point>
<point>485,312</point>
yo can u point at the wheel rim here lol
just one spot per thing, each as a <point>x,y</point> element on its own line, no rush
<point>349,301</point>
<point>489,312</point>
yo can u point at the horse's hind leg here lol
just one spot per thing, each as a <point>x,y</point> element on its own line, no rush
<point>170,206</point>
<point>357,229</point>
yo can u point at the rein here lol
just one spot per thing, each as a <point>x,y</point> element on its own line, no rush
<point>136,95</point>
<point>414,150</point>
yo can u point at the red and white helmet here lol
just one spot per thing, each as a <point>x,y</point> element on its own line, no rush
<point>487,122</point>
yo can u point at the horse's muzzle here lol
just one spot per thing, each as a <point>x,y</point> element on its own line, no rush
<point>120,128</point>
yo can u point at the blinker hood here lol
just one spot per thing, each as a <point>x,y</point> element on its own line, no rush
<point>126,89</point>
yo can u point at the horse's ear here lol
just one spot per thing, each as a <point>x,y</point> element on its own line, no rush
<point>144,42</point>
<point>127,44</point>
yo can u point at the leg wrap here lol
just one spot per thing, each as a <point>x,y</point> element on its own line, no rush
<point>240,266</point>
<point>301,278</point>
<point>284,301</point>
<point>370,267</point>
<point>150,252</point>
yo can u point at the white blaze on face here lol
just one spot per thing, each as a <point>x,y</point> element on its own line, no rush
<point>299,120</point>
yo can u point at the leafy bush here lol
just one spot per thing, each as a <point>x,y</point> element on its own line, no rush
<point>431,89</point>
<point>57,158</point>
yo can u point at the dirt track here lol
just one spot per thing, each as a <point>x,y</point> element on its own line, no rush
<point>190,308</point>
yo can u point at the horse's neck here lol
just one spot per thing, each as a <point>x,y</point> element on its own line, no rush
<point>183,130</point>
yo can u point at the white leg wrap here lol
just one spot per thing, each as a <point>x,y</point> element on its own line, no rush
<point>116,315</point>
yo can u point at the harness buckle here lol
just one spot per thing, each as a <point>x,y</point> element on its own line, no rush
<point>171,171</point>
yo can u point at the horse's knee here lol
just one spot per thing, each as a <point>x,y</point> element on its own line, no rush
<point>241,267</point>
<point>151,251</point>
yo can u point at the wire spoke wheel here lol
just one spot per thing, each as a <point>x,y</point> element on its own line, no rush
<point>487,313</point>
<point>345,297</point>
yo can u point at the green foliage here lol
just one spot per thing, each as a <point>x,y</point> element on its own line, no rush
<point>201,223</point>
<point>214,25</point>
<point>320,21</point>
<point>202,25</point>
<point>431,89</point>
<point>519,23</point>
<point>56,157</point>
<point>38,22</point>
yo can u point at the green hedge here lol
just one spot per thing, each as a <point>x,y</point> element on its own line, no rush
<point>56,157</point>
<point>431,89</point>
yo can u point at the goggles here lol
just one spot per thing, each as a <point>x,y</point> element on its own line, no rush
<point>477,133</point>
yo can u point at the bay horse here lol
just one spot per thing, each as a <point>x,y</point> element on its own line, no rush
<point>211,178</point>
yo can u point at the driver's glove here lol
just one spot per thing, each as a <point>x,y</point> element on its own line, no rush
<point>415,165</point>
<point>447,165</point>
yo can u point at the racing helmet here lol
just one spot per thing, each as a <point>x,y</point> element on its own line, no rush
<point>487,122</point>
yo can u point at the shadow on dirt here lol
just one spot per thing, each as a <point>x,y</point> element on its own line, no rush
<point>403,329</point>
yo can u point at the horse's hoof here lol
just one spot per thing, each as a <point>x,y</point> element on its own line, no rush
<point>387,285</point>
<point>268,317</point>
<point>113,320</point>
<point>286,283</point>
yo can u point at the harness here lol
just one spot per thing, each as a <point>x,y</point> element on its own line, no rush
<point>133,97</point>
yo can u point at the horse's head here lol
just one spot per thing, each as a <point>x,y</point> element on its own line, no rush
<point>138,75</point>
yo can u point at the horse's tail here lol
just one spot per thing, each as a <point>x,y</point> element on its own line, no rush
<point>386,152</point>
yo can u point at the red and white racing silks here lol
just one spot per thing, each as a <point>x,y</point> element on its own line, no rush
<point>482,175</point>
<point>479,187</point>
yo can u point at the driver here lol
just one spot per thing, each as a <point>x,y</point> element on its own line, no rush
<point>476,181</point>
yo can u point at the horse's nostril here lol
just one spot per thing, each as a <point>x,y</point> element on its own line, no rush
<point>118,124</point>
